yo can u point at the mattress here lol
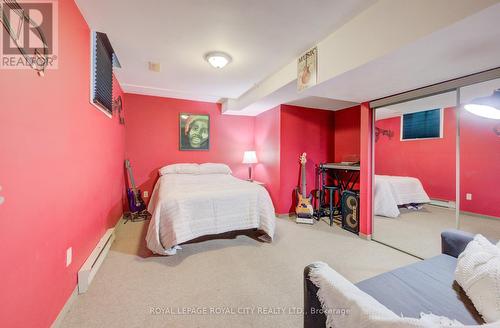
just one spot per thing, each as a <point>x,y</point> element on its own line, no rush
<point>394,191</point>
<point>187,206</point>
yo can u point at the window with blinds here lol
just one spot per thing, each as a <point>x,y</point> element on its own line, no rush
<point>102,72</point>
<point>422,125</point>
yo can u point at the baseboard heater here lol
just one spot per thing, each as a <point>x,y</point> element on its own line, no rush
<point>90,267</point>
<point>443,203</point>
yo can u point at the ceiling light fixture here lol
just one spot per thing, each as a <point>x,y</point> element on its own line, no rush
<point>218,59</point>
<point>488,107</point>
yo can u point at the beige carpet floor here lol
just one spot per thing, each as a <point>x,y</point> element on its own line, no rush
<point>232,273</point>
<point>415,231</point>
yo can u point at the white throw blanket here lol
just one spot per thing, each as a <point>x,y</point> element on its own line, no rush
<point>391,191</point>
<point>187,206</point>
<point>478,273</point>
<point>346,306</point>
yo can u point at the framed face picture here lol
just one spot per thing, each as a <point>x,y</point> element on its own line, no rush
<point>194,131</point>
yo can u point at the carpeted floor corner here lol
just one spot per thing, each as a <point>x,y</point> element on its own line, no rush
<point>231,281</point>
<point>414,231</point>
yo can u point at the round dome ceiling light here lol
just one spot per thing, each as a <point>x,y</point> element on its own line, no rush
<point>218,59</point>
<point>488,107</point>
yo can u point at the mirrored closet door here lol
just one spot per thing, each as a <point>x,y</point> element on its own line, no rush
<point>415,173</point>
<point>480,159</point>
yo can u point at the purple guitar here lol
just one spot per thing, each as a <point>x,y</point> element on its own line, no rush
<point>135,202</point>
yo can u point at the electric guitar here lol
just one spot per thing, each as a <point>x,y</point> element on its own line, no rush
<point>135,202</point>
<point>304,208</point>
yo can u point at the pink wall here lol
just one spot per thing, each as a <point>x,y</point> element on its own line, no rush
<point>152,136</point>
<point>267,145</point>
<point>432,161</point>
<point>303,130</point>
<point>279,136</point>
<point>283,134</point>
<point>365,176</point>
<point>62,178</point>
<point>347,134</point>
<point>480,164</point>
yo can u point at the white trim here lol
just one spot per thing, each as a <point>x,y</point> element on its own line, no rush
<point>91,93</point>
<point>365,237</point>
<point>169,93</point>
<point>441,128</point>
<point>105,112</point>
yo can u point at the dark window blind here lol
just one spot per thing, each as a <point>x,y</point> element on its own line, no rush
<point>103,72</point>
<point>426,124</point>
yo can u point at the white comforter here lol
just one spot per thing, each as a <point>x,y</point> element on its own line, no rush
<point>391,191</point>
<point>187,206</point>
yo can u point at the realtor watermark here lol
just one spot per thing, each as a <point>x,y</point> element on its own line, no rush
<point>29,37</point>
<point>234,311</point>
<point>225,310</point>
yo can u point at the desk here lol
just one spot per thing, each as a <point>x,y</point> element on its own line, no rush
<point>351,174</point>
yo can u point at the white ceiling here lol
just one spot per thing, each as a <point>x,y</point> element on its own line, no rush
<point>322,103</point>
<point>261,36</point>
<point>466,47</point>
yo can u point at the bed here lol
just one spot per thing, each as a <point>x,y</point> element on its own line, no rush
<point>394,191</point>
<point>191,200</point>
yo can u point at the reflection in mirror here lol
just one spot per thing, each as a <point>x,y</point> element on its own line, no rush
<point>415,173</point>
<point>480,163</point>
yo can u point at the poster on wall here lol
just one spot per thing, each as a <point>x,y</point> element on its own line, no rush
<point>307,69</point>
<point>194,131</point>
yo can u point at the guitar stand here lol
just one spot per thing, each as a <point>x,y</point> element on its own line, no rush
<point>136,216</point>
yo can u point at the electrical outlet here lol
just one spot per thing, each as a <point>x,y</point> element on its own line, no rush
<point>468,196</point>
<point>2,199</point>
<point>146,194</point>
<point>69,256</point>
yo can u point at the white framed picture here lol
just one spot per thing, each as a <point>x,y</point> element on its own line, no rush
<point>307,69</point>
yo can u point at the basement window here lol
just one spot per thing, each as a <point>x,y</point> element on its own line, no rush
<point>422,125</point>
<point>103,60</point>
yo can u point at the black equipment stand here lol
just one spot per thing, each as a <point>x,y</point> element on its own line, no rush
<point>136,216</point>
<point>344,176</point>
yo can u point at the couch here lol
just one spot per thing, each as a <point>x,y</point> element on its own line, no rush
<point>427,286</point>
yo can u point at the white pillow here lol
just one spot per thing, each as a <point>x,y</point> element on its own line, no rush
<point>478,273</point>
<point>214,168</point>
<point>187,168</point>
